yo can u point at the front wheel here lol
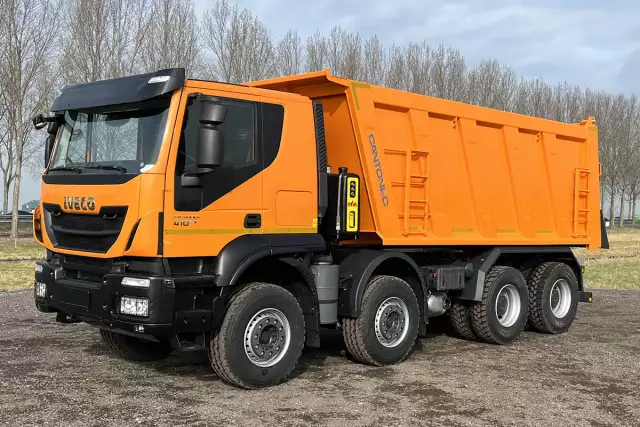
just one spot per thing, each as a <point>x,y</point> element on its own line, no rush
<point>387,327</point>
<point>135,349</point>
<point>261,337</point>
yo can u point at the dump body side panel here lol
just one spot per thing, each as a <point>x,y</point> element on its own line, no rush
<point>439,172</point>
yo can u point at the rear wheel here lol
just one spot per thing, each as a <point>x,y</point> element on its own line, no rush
<point>461,321</point>
<point>261,337</point>
<point>553,298</point>
<point>135,349</point>
<point>502,314</point>
<point>387,327</point>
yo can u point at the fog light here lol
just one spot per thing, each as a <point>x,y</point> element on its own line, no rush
<point>134,306</point>
<point>41,290</point>
<point>139,328</point>
<point>136,282</point>
<point>38,268</point>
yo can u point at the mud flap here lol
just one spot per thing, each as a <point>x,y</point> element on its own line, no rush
<point>585,297</point>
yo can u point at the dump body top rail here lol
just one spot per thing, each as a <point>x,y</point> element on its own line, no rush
<point>440,172</point>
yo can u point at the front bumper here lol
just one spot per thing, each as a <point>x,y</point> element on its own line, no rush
<point>98,303</point>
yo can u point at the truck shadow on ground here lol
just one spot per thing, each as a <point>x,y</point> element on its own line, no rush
<point>313,360</point>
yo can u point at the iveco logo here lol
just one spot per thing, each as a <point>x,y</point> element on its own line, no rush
<point>80,203</point>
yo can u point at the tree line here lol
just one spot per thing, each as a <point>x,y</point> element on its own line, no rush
<point>46,44</point>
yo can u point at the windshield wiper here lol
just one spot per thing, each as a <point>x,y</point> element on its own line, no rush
<point>107,167</point>
<point>66,168</point>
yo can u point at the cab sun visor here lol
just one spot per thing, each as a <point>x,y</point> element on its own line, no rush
<point>124,90</point>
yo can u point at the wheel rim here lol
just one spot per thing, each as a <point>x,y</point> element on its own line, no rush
<point>560,298</point>
<point>392,322</point>
<point>267,337</point>
<point>508,305</point>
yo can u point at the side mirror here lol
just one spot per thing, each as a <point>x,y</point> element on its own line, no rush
<point>210,151</point>
<point>39,121</point>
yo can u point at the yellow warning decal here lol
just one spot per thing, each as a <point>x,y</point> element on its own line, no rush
<point>353,199</point>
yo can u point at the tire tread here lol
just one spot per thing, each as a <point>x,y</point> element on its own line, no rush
<point>219,362</point>
<point>479,312</point>
<point>536,291</point>
<point>536,286</point>
<point>354,329</point>
<point>460,317</point>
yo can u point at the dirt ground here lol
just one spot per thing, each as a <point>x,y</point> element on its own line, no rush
<point>52,374</point>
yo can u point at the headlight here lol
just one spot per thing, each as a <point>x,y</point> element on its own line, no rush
<point>38,268</point>
<point>135,282</point>
<point>134,306</point>
<point>41,290</point>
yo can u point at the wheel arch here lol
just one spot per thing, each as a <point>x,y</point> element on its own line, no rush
<point>359,267</point>
<point>245,251</point>
<point>523,258</point>
<point>293,274</point>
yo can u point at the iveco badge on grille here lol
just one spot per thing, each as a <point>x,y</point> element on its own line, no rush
<point>80,203</point>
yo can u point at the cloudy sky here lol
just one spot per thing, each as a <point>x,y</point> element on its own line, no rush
<point>586,42</point>
<point>591,43</point>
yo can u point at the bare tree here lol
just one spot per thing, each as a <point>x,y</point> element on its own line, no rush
<point>448,74</point>
<point>289,54</point>
<point>634,182</point>
<point>493,85</point>
<point>241,45</point>
<point>396,75</point>
<point>103,38</point>
<point>6,144</point>
<point>7,160</point>
<point>418,61</point>
<point>316,52</point>
<point>172,37</point>
<point>31,26</point>
<point>374,61</point>
<point>624,146</point>
<point>567,105</point>
<point>352,56</point>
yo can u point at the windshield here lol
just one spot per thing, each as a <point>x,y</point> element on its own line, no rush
<point>121,140</point>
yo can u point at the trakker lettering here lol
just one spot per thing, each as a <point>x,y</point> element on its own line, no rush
<point>80,203</point>
<point>379,173</point>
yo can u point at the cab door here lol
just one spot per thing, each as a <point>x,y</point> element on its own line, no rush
<point>229,202</point>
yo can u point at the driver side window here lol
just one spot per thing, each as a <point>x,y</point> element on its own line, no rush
<point>239,130</point>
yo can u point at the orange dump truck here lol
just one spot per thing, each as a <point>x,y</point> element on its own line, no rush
<point>242,219</point>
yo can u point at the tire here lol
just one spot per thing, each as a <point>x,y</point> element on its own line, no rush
<point>503,284</point>
<point>135,349</point>
<point>369,341</point>
<point>247,312</point>
<point>461,321</point>
<point>559,278</point>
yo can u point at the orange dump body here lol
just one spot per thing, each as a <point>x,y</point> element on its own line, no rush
<point>438,172</point>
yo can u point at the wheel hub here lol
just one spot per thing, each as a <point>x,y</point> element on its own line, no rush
<point>508,305</point>
<point>267,337</point>
<point>392,322</point>
<point>560,298</point>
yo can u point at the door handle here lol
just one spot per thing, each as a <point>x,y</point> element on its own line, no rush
<point>253,221</point>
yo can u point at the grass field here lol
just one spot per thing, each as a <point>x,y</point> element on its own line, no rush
<point>616,268</point>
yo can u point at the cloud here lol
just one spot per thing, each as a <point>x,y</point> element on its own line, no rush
<point>591,43</point>
<point>628,80</point>
<point>583,42</point>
